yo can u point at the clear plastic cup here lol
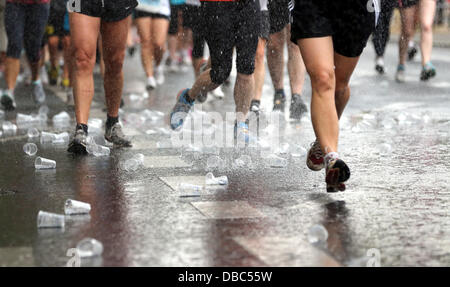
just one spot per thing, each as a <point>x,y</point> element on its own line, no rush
<point>43,163</point>
<point>139,158</point>
<point>50,220</point>
<point>43,110</point>
<point>33,133</point>
<point>276,161</point>
<point>189,190</point>
<point>47,137</point>
<point>89,247</point>
<point>9,128</point>
<point>30,149</point>
<point>99,150</point>
<point>24,119</point>
<point>61,117</point>
<point>131,165</point>
<point>211,180</point>
<point>76,207</point>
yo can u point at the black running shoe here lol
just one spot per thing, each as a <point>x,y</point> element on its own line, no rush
<point>79,143</point>
<point>428,72</point>
<point>297,108</point>
<point>337,172</point>
<point>115,135</point>
<point>412,53</point>
<point>279,101</point>
<point>8,102</point>
<point>202,97</point>
<point>131,50</point>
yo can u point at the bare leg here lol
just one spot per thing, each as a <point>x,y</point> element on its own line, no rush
<point>318,55</point>
<point>243,93</point>
<point>67,58</point>
<point>275,58</point>
<point>114,36</point>
<point>144,26</point>
<point>84,42</point>
<point>202,84</point>
<point>296,67</point>
<point>260,69</point>
<point>427,11</point>
<point>344,67</point>
<point>407,15</point>
<point>12,69</point>
<point>159,35</point>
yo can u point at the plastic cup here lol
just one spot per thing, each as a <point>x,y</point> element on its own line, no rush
<point>76,207</point>
<point>50,220</point>
<point>89,247</point>
<point>43,163</point>
<point>47,137</point>
<point>33,133</point>
<point>30,149</point>
<point>99,150</point>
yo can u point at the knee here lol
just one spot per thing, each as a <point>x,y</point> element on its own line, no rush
<point>114,63</point>
<point>323,80</point>
<point>159,47</point>
<point>342,90</point>
<point>83,61</point>
<point>259,57</point>
<point>426,28</point>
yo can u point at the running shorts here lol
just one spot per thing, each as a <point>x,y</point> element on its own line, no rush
<point>348,22</point>
<point>407,3</point>
<point>107,10</point>
<point>55,26</point>
<point>143,14</point>
<point>279,15</point>
<point>265,25</point>
<point>175,11</point>
<point>231,24</point>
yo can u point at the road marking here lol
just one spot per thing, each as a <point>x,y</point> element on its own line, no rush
<point>227,209</point>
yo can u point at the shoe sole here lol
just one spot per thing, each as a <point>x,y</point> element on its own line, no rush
<point>117,145</point>
<point>8,104</point>
<point>172,113</point>
<point>78,149</point>
<point>311,165</point>
<point>336,176</point>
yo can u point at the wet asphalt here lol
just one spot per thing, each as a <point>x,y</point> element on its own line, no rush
<point>395,138</point>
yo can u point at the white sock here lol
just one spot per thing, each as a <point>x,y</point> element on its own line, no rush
<point>331,156</point>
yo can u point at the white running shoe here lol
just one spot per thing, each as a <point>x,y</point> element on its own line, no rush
<point>218,93</point>
<point>173,67</point>
<point>159,75</point>
<point>151,83</point>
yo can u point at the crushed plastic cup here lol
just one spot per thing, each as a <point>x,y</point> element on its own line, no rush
<point>44,163</point>
<point>133,163</point>
<point>317,234</point>
<point>139,158</point>
<point>61,117</point>
<point>384,149</point>
<point>33,133</point>
<point>150,132</point>
<point>30,149</point>
<point>89,247</point>
<point>9,128</point>
<point>25,119</point>
<point>210,179</point>
<point>50,220</point>
<point>283,149</point>
<point>276,161</point>
<point>47,137</point>
<point>95,123</point>
<point>100,150</point>
<point>298,151</point>
<point>189,190</point>
<point>76,207</point>
<point>43,110</point>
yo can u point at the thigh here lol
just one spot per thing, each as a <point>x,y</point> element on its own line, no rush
<point>344,67</point>
<point>247,36</point>
<point>84,34</point>
<point>427,11</point>
<point>160,27</point>
<point>15,25</point>
<point>279,15</point>
<point>114,38</point>
<point>318,54</point>
<point>144,28</point>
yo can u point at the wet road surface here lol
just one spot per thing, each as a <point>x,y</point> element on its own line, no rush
<point>394,137</point>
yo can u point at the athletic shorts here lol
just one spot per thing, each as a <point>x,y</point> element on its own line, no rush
<point>55,26</point>
<point>279,15</point>
<point>407,3</point>
<point>107,10</point>
<point>174,16</point>
<point>265,25</point>
<point>230,25</point>
<point>348,22</point>
<point>142,14</point>
<point>192,17</point>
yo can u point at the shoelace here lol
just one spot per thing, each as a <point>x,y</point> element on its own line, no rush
<point>316,150</point>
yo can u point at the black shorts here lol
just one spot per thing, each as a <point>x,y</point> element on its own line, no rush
<point>55,25</point>
<point>265,25</point>
<point>108,10</point>
<point>230,25</point>
<point>142,14</point>
<point>192,18</point>
<point>279,15</point>
<point>407,3</point>
<point>348,22</point>
<point>174,16</point>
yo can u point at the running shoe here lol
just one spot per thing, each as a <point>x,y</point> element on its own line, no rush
<point>202,97</point>
<point>69,97</point>
<point>131,50</point>
<point>38,92</point>
<point>254,107</point>
<point>337,172</point>
<point>218,93</point>
<point>43,73</point>
<point>79,142</point>
<point>173,66</point>
<point>297,108</point>
<point>279,101</point>
<point>53,75</point>
<point>400,75</point>
<point>412,51</point>
<point>428,72</point>
<point>151,83</point>
<point>65,83</point>
<point>159,75</point>
<point>241,133</point>
<point>379,65</point>
<point>315,157</point>
<point>7,100</point>
<point>180,110</point>
<point>115,135</point>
